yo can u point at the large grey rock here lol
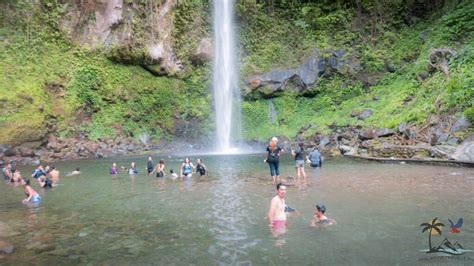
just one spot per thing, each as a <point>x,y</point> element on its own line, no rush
<point>439,137</point>
<point>5,150</point>
<point>323,141</point>
<point>402,127</point>
<point>347,150</point>
<point>465,151</point>
<point>301,78</point>
<point>204,51</point>
<point>367,134</point>
<point>364,114</point>
<point>462,124</point>
<point>384,132</point>
<point>442,151</point>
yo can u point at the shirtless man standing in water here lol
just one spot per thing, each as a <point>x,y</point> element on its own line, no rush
<point>276,213</point>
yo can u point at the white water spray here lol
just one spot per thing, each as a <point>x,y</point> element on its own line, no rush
<point>225,87</point>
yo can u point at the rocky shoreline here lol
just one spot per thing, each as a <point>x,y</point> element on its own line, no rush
<point>61,149</point>
<point>443,138</point>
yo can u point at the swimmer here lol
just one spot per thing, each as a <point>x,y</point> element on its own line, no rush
<point>160,169</point>
<point>276,214</point>
<point>173,174</point>
<point>114,170</point>
<point>39,171</point>
<point>16,177</point>
<point>186,168</point>
<point>53,174</point>
<point>7,172</point>
<point>31,194</point>
<point>45,182</point>
<point>75,172</point>
<point>133,169</point>
<point>149,165</point>
<point>319,219</point>
<point>201,167</point>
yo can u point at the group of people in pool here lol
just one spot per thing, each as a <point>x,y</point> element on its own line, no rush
<point>274,151</point>
<point>279,210</point>
<point>186,169</point>
<point>47,177</point>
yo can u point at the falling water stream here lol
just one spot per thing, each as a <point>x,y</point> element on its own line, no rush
<point>225,77</point>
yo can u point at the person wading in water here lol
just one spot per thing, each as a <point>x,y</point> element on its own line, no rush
<point>273,159</point>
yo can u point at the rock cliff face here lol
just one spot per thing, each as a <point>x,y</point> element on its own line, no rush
<point>301,79</point>
<point>130,33</point>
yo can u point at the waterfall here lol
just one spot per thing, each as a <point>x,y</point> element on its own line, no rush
<point>272,113</point>
<point>225,84</point>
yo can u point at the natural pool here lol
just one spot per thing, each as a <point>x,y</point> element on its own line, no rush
<point>96,219</point>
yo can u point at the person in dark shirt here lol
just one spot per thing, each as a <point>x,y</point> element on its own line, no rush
<point>273,159</point>
<point>315,158</point>
<point>298,153</point>
<point>201,167</point>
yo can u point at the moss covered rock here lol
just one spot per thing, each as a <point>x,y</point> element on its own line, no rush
<point>16,132</point>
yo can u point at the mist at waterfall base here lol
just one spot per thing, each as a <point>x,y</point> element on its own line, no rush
<point>225,79</point>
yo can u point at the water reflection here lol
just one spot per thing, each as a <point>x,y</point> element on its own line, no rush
<point>230,211</point>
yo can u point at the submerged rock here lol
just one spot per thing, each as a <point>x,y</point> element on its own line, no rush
<point>7,231</point>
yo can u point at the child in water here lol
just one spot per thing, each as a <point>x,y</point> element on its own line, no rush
<point>319,219</point>
<point>133,169</point>
<point>173,174</point>
<point>114,170</point>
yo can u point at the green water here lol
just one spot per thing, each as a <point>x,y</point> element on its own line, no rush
<point>220,219</point>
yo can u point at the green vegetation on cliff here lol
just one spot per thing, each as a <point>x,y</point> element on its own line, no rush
<point>392,47</point>
<point>51,83</point>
